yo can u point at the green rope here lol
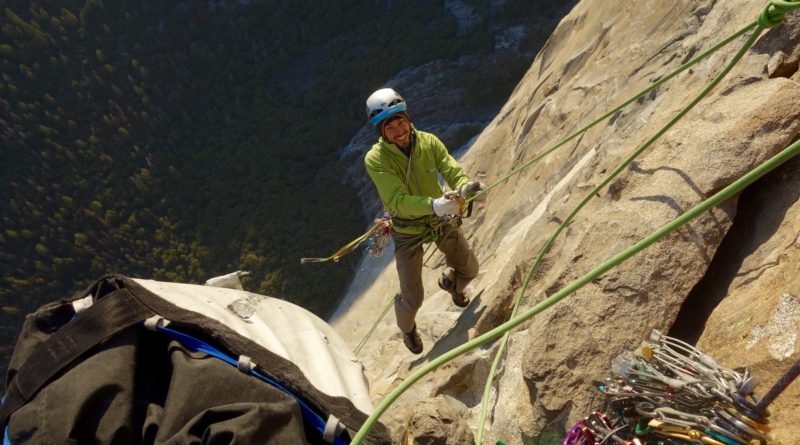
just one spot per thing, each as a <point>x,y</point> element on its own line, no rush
<point>546,248</point>
<point>770,16</point>
<point>374,325</point>
<point>767,166</point>
<point>549,150</point>
<point>572,136</point>
<point>619,107</point>
<point>388,306</point>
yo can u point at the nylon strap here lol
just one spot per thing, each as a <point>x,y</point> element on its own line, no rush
<point>333,429</point>
<point>96,324</point>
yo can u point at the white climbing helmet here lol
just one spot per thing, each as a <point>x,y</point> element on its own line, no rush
<point>382,104</point>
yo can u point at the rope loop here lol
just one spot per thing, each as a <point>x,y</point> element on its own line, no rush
<point>772,14</point>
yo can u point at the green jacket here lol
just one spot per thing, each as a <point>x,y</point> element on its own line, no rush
<point>410,202</point>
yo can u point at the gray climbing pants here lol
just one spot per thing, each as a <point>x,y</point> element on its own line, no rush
<point>409,258</point>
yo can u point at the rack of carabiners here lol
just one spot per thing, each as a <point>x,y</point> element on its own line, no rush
<point>376,238</point>
<point>379,235</point>
<point>669,393</point>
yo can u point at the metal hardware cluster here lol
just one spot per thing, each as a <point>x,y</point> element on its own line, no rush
<point>669,393</point>
<point>379,236</point>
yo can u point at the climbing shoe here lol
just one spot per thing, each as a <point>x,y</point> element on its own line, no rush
<point>459,299</point>
<point>413,341</point>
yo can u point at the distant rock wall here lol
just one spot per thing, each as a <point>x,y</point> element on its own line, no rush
<point>729,279</point>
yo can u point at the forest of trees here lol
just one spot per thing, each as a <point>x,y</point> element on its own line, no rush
<point>180,140</point>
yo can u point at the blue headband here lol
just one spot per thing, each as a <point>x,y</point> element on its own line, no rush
<point>375,120</point>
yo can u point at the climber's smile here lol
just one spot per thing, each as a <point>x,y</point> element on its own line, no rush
<point>398,132</point>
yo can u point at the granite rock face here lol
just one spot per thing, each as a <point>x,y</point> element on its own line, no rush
<point>755,322</point>
<point>437,421</point>
<point>728,280</point>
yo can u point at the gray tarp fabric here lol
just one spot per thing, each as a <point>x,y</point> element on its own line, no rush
<point>283,328</point>
<point>134,385</point>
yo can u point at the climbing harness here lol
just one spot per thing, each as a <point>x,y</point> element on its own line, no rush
<point>766,20</point>
<point>724,194</point>
<point>377,236</point>
<point>770,16</point>
<point>669,389</point>
<point>716,199</point>
<point>444,227</point>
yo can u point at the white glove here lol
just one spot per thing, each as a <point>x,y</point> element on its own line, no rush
<point>445,206</point>
<point>471,189</point>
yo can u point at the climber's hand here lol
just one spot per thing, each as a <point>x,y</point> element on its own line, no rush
<point>446,206</point>
<point>473,188</point>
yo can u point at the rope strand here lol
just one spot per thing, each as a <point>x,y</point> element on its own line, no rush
<point>771,12</point>
<point>589,196</point>
<point>719,197</point>
<point>778,388</point>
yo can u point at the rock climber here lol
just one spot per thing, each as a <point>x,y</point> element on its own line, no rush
<point>404,166</point>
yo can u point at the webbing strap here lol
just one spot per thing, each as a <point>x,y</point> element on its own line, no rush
<point>333,428</point>
<point>96,324</point>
